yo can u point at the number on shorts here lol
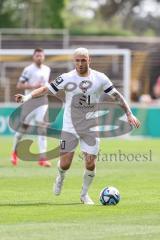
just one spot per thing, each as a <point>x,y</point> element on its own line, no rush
<point>63,144</point>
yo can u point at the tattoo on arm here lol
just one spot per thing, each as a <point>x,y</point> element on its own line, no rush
<point>117,96</point>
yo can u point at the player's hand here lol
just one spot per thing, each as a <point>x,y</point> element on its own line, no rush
<point>19,98</point>
<point>133,121</point>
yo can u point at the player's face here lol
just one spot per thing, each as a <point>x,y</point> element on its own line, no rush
<point>38,58</point>
<point>82,64</point>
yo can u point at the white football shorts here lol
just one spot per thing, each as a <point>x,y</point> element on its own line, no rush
<point>88,143</point>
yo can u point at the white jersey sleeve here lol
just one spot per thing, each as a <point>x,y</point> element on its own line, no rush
<point>57,84</point>
<point>25,76</point>
<point>107,85</point>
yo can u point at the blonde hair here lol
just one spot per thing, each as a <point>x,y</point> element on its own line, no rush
<point>81,51</point>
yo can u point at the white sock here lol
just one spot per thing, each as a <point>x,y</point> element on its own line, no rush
<point>42,143</point>
<point>18,136</point>
<point>61,172</point>
<point>87,180</point>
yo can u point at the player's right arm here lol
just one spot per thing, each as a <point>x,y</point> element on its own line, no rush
<point>52,87</point>
<point>35,93</point>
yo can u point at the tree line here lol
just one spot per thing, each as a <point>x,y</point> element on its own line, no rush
<point>77,15</point>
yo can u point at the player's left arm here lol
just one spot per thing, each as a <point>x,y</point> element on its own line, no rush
<point>117,97</point>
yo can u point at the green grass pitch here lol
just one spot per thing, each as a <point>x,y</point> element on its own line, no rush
<point>29,210</point>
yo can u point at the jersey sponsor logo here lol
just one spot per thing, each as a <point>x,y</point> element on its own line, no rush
<point>85,100</point>
<point>58,81</point>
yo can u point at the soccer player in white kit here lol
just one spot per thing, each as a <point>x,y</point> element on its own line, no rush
<point>83,87</point>
<point>34,76</point>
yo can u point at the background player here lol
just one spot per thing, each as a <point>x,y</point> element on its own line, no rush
<point>87,86</point>
<point>34,76</point>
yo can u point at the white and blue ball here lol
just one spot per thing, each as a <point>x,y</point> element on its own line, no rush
<point>109,196</point>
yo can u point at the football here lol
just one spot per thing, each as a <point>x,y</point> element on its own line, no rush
<point>109,196</point>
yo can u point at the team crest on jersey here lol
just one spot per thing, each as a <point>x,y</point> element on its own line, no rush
<point>84,85</point>
<point>58,81</point>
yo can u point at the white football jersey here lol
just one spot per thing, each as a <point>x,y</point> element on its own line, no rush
<point>35,75</point>
<point>81,92</point>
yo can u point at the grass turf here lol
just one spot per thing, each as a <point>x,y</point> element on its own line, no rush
<point>29,210</point>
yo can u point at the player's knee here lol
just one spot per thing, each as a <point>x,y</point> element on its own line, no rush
<point>90,161</point>
<point>66,160</point>
<point>90,167</point>
<point>90,164</point>
<point>65,166</point>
